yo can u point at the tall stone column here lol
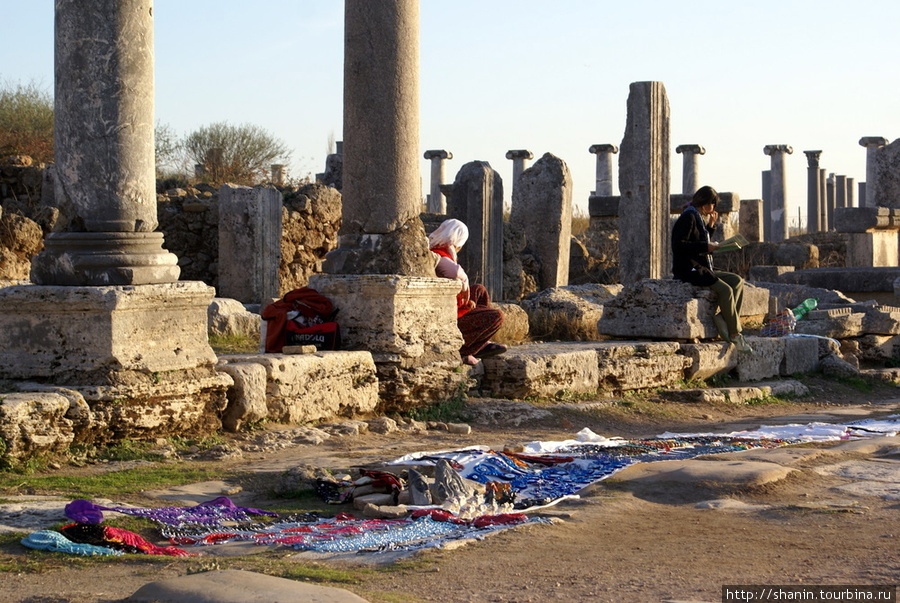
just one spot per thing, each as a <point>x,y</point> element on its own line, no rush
<point>830,199</point>
<point>840,191</point>
<point>381,232</point>
<point>690,176</point>
<point>872,144</point>
<point>520,159</point>
<point>813,192</point>
<point>103,137</point>
<point>436,202</point>
<point>825,214</point>
<point>766,184</point>
<point>778,216</point>
<point>644,185</point>
<point>604,153</point>
<point>851,192</point>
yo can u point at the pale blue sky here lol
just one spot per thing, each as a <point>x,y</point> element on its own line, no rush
<point>548,77</point>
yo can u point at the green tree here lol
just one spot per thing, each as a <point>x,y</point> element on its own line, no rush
<point>239,154</point>
<point>26,121</point>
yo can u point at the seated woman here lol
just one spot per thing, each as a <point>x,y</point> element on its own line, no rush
<point>692,263</point>
<point>476,319</point>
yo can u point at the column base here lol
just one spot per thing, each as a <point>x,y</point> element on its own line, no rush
<point>96,259</point>
<point>409,326</point>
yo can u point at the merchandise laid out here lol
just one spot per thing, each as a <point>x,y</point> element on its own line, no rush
<point>541,474</point>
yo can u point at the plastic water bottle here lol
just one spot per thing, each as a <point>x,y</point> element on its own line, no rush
<point>804,308</point>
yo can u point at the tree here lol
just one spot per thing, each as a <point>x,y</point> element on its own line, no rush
<point>239,154</point>
<point>167,148</point>
<point>26,121</point>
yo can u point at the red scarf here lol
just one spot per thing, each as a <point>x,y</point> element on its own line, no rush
<point>461,298</point>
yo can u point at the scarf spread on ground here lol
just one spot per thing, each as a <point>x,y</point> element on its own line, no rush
<point>548,472</point>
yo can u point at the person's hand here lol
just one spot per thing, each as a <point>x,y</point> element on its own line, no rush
<point>469,304</point>
<point>713,218</point>
<point>712,247</point>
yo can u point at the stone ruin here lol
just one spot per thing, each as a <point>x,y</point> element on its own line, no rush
<point>108,343</point>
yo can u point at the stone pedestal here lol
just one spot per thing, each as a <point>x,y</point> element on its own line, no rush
<point>751,222</point>
<point>872,249</point>
<point>138,356</point>
<point>409,326</point>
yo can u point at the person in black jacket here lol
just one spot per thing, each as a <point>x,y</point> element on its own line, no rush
<point>692,263</point>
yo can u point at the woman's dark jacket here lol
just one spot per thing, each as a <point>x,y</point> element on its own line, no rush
<point>691,260</point>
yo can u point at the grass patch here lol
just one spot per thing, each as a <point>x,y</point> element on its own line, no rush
<point>860,384</point>
<point>451,411</point>
<point>234,344</point>
<point>129,481</point>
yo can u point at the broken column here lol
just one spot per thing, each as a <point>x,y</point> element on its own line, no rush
<point>382,276</point>
<point>604,153</point>
<point>644,185</point>
<point>436,204</point>
<point>542,211</point>
<point>108,316</point>
<point>778,216</point>
<point>827,217</point>
<point>477,200</point>
<point>887,175</point>
<point>690,175</point>
<point>520,159</point>
<point>872,144</point>
<point>750,223</point>
<point>813,193</point>
<point>249,243</point>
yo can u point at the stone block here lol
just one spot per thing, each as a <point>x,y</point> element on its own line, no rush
<point>756,300</point>
<point>247,397</point>
<point>709,359</point>
<point>549,369</point>
<point>768,274</point>
<point>568,313</point>
<point>229,317</point>
<point>515,324</point>
<point>34,423</point>
<point>50,332</point>
<point>660,309</point>
<point>878,348</point>
<point>304,388</point>
<point>862,219</point>
<point>764,362</point>
<point>837,326</point>
<point>872,249</point>
<point>801,355</point>
<point>881,320</point>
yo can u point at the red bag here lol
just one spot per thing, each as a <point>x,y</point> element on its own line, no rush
<point>297,312</point>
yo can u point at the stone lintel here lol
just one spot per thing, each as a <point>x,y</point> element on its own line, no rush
<point>596,149</point>
<point>61,333</point>
<point>812,158</point>
<point>872,141</point>
<point>519,154</point>
<point>865,219</point>
<point>438,154</point>
<point>772,149</point>
<point>690,148</point>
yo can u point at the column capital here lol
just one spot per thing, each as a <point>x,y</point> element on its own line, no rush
<point>771,149</point>
<point>872,141</point>
<point>519,154</point>
<point>690,148</point>
<point>438,154</point>
<point>596,149</point>
<point>812,158</point>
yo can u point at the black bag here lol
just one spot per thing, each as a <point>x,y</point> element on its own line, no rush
<point>325,335</point>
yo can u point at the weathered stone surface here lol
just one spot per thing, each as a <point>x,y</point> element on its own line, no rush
<point>801,355</point>
<point>247,397</point>
<point>55,332</point>
<point>229,317</point>
<point>863,219</point>
<point>887,175</point>
<point>878,348</point>
<point>515,327</point>
<point>871,249</point>
<point>709,359</point>
<point>848,281</point>
<point>382,425</point>
<point>304,388</point>
<point>740,395</point>
<point>568,313</point>
<point>835,366</point>
<point>551,368</point>
<point>660,309</point>
<point>764,362</point>
<point>881,320</point>
<point>790,295</point>
<point>542,210</point>
<point>838,326</point>
<point>33,423</point>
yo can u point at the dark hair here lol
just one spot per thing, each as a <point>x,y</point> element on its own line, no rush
<point>704,196</point>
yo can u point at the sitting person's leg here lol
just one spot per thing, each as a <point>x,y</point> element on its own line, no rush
<point>725,296</point>
<point>477,327</point>
<point>479,294</point>
<point>737,286</point>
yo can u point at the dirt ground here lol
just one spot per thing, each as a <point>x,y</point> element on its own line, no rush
<point>621,541</point>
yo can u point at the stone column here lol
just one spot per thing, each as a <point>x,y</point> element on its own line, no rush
<point>278,174</point>
<point>381,232</point>
<point>830,199</point>
<point>690,176</point>
<point>520,159</point>
<point>779,217</point>
<point>824,212</point>
<point>644,231</point>
<point>813,193</point>
<point>872,144</point>
<point>436,202</point>
<point>851,192</point>
<point>604,153</point>
<point>751,220</point>
<point>477,200</point>
<point>105,164</point>
<point>840,191</point>
<point>766,183</point>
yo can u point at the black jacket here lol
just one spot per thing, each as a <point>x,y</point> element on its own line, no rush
<point>691,260</point>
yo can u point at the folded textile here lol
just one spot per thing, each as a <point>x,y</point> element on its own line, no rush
<point>48,540</point>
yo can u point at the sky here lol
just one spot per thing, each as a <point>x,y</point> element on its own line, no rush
<point>544,76</point>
